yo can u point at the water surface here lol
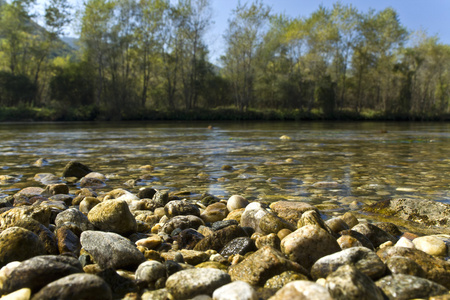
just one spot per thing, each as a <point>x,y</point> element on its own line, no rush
<point>362,162</point>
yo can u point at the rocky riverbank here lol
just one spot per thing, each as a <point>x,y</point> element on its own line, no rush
<point>73,240</point>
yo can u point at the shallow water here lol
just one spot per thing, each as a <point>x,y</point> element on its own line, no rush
<point>366,162</point>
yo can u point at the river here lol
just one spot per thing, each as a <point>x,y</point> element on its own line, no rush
<point>318,162</point>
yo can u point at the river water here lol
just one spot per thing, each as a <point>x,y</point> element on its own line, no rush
<point>322,162</point>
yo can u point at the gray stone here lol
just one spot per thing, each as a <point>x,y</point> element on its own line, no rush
<point>237,290</point>
<point>150,271</point>
<point>160,199</point>
<point>403,287</point>
<point>111,250</point>
<point>17,243</point>
<point>351,238</point>
<point>337,224</point>
<point>307,244</point>
<point>113,216</point>
<point>74,287</point>
<point>302,290</point>
<point>39,271</point>
<point>265,263</point>
<point>365,260</point>
<point>348,283</point>
<point>74,216</point>
<point>189,283</point>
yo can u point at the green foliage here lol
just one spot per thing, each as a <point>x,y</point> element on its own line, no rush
<point>148,59</point>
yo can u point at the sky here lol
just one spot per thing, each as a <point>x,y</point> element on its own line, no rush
<point>431,16</point>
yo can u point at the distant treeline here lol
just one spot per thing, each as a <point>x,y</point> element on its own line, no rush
<point>147,59</point>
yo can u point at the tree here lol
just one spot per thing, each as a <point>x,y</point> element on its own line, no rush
<point>244,38</point>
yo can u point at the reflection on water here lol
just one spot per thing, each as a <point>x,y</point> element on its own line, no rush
<point>361,161</point>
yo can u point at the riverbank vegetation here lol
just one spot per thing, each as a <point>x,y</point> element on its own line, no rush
<point>148,59</point>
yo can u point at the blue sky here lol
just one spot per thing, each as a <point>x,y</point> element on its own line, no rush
<point>432,16</point>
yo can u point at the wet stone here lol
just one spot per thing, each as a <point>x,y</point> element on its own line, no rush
<point>337,224</point>
<point>146,193</point>
<point>365,260</point>
<point>403,287</point>
<point>189,283</point>
<point>76,286</point>
<point>348,283</point>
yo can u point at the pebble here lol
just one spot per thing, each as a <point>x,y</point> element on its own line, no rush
<point>17,243</point>
<point>236,202</point>
<point>113,216</point>
<point>22,294</point>
<point>218,239</point>
<point>150,271</point>
<point>349,283</point>
<point>76,286</point>
<point>431,245</point>
<point>404,265</point>
<point>291,211</point>
<point>186,284</point>
<point>278,281</point>
<point>263,264</point>
<point>110,250</point>
<point>236,290</point>
<point>404,242</point>
<point>302,289</point>
<point>365,260</point>
<point>74,216</point>
<point>307,244</point>
<point>39,271</point>
<point>403,287</point>
<point>375,234</point>
<point>214,212</point>
<point>239,245</point>
<point>183,207</point>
